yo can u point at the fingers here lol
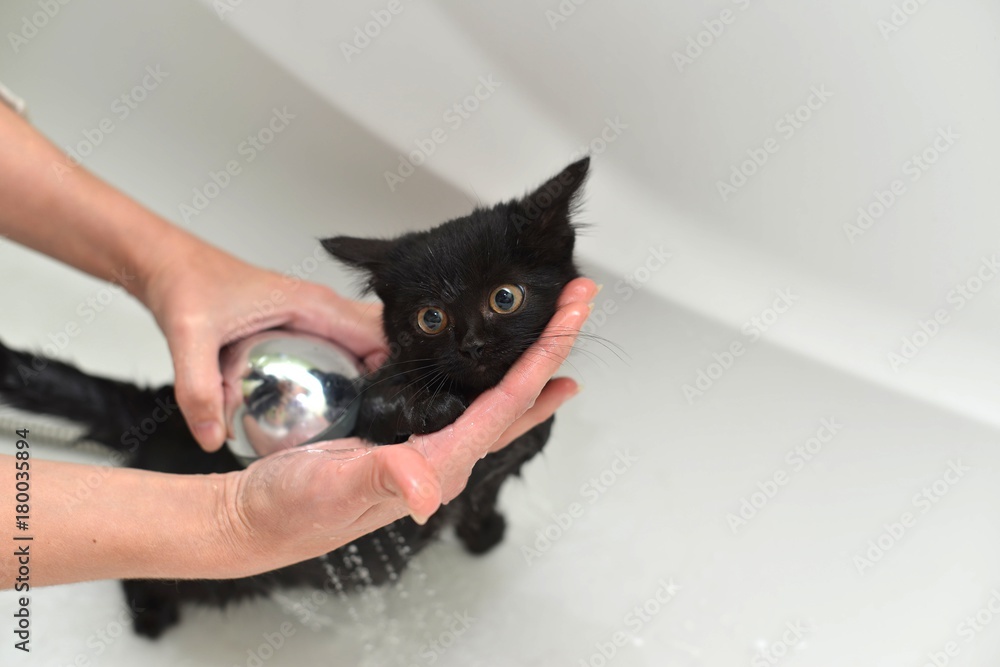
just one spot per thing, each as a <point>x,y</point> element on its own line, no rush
<point>401,472</point>
<point>355,325</point>
<point>454,450</point>
<point>494,411</point>
<point>356,479</point>
<point>582,290</point>
<point>375,360</point>
<point>519,388</point>
<point>306,501</point>
<point>556,392</point>
<point>198,386</point>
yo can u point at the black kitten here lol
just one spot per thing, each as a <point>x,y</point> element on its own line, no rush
<point>461,301</point>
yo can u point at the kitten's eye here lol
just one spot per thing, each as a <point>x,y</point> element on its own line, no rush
<point>432,320</point>
<point>506,299</point>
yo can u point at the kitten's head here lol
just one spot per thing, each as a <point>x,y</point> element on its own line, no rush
<point>469,296</point>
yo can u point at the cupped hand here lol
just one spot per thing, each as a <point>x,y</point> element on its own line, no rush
<point>307,501</point>
<point>207,299</point>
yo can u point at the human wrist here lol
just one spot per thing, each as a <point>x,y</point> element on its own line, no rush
<point>187,529</point>
<point>183,532</point>
<point>126,524</point>
<point>155,264</point>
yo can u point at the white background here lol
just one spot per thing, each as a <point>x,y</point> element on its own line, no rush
<point>687,125</point>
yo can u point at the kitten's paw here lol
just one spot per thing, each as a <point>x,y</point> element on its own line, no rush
<point>153,613</point>
<point>427,416</point>
<point>483,533</point>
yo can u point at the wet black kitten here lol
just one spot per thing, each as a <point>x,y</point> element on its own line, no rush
<point>462,302</point>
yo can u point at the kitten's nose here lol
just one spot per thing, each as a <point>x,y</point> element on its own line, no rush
<point>471,347</point>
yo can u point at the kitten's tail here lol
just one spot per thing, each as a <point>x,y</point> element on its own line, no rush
<point>107,408</point>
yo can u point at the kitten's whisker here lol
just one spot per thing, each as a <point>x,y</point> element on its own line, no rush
<point>591,336</point>
<point>615,349</point>
<point>434,376</point>
<point>396,363</point>
<point>416,369</point>
<point>572,330</point>
<point>440,384</point>
<point>406,386</point>
<point>590,354</point>
<point>432,372</point>
<point>573,348</point>
<point>372,385</point>
<point>545,354</point>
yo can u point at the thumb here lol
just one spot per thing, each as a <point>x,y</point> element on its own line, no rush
<point>402,472</point>
<point>198,388</point>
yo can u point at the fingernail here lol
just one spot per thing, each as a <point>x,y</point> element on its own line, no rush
<point>579,388</point>
<point>599,288</point>
<point>423,489</point>
<point>590,307</point>
<point>210,431</point>
<point>419,518</point>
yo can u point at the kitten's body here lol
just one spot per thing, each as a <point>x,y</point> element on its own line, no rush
<point>455,272</point>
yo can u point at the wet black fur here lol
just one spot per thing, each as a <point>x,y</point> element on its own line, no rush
<point>455,266</point>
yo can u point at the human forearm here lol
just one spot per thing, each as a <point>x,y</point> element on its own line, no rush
<point>91,522</point>
<point>96,523</point>
<point>201,296</point>
<point>63,211</point>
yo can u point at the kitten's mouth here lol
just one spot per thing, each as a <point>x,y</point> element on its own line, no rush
<point>479,376</point>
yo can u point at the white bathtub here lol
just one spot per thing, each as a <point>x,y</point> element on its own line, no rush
<point>796,461</point>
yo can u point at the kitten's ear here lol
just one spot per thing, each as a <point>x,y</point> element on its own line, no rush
<point>366,254</point>
<point>548,210</point>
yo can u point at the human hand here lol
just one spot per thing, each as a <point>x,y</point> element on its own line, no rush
<point>206,298</point>
<point>307,501</point>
